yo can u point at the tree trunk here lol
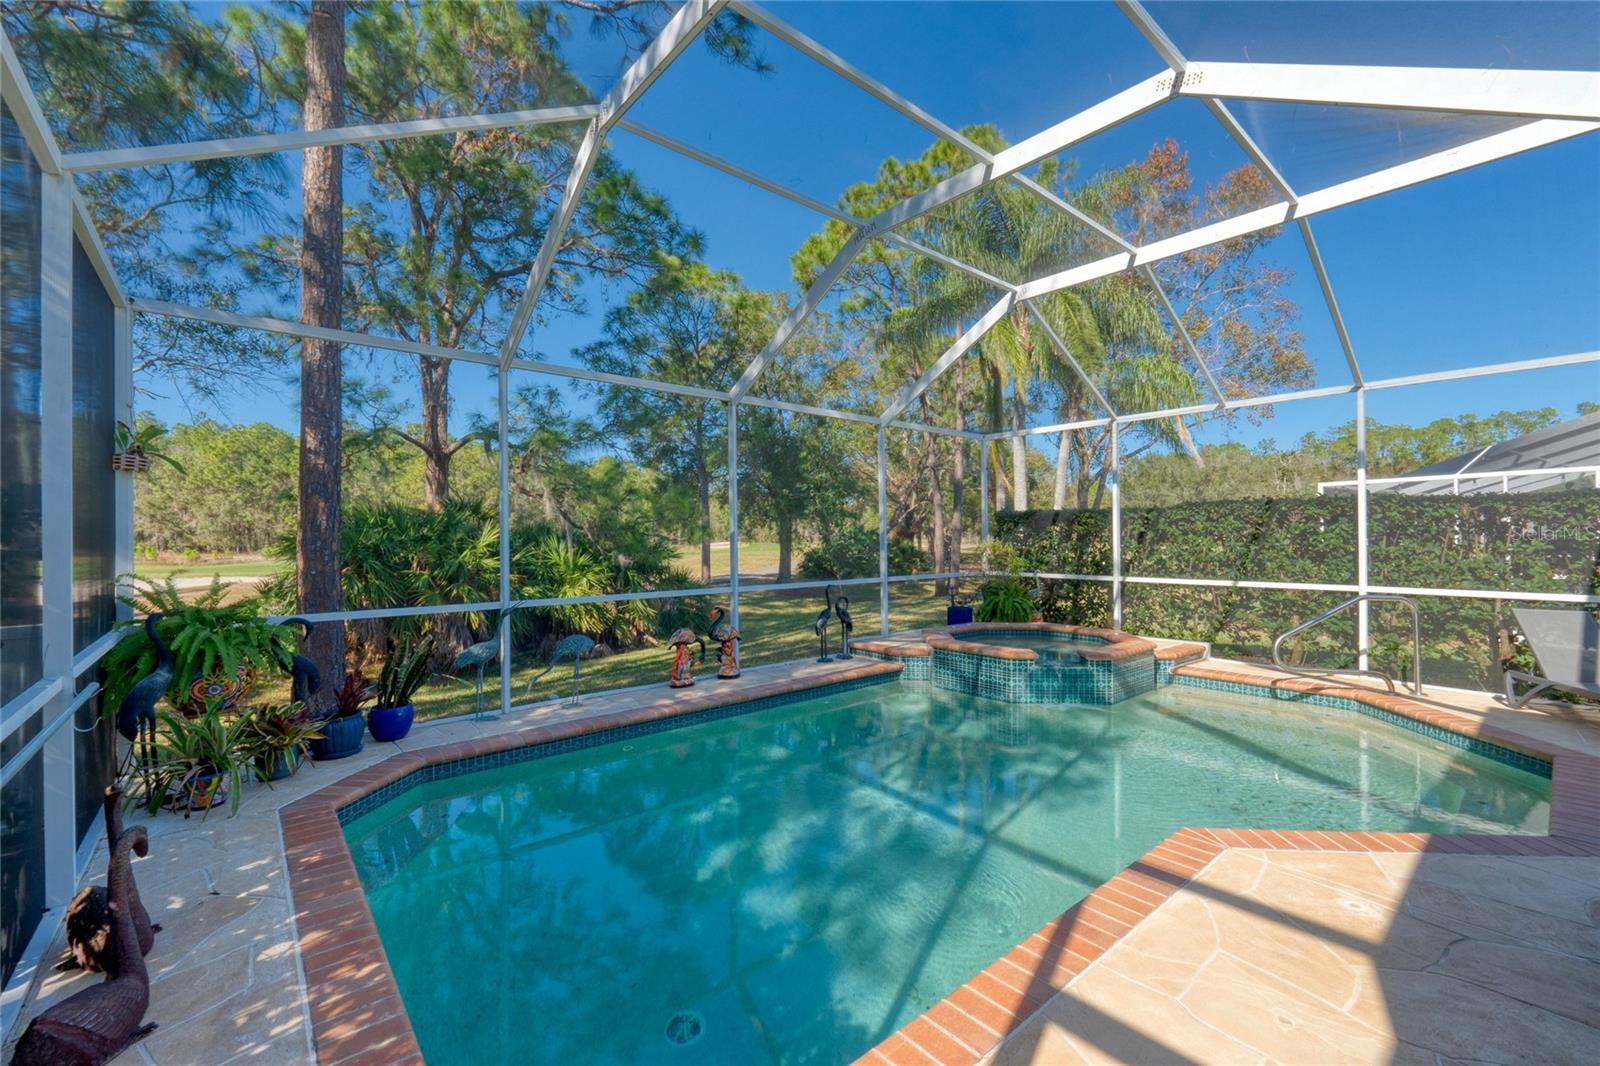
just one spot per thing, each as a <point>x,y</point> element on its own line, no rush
<point>936,496</point>
<point>436,443</point>
<point>1019,448</point>
<point>1059,500</point>
<point>958,471</point>
<point>317,554</point>
<point>703,488</point>
<point>785,545</point>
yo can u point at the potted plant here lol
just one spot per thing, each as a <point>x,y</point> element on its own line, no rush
<point>198,761</point>
<point>136,448</point>
<point>404,670</point>
<point>215,651</point>
<point>340,731</point>
<point>279,736</point>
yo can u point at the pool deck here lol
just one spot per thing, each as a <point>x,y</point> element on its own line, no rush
<point>1233,947</point>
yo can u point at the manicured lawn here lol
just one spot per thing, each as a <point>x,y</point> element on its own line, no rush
<point>231,568</point>
<point>776,628</point>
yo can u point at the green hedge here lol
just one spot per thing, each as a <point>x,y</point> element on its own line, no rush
<point>1528,542</point>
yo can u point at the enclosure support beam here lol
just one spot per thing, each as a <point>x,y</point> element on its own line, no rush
<point>679,32</point>
<point>1363,580</point>
<point>796,318</point>
<point>749,177</point>
<point>733,515</point>
<point>1066,353</point>
<point>55,528</point>
<point>1175,59</point>
<point>504,632</point>
<point>1571,94</point>
<point>1485,150</point>
<point>883,532</point>
<point>974,333</point>
<point>263,144</point>
<point>288,328</point>
<point>1183,335</point>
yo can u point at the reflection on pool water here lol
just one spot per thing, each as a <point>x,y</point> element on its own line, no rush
<point>794,884</point>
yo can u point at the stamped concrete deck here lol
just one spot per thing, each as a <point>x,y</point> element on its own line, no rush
<point>1253,953</point>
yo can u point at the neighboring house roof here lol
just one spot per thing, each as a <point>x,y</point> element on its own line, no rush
<point>1575,443</point>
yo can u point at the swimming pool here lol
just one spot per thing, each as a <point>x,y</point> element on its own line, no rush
<point>795,883</point>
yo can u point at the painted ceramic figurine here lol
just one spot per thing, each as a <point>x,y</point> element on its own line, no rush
<point>847,626</point>
<point>683,659</point>
<point>727,639</point>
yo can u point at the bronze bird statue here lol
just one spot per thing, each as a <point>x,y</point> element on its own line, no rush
<point>847,625</point>
<point>92,924</point>
<point>480,655</point>
<point>95,1025</point>
<point>824,617</point>
<point>136,716</point>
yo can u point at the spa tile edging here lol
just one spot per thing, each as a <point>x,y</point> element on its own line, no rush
<point>1115,667</point>
<point>357,1015</point>
<point>971,1022</point>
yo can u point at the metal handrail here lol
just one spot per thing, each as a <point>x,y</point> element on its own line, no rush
<point>1388,679</point>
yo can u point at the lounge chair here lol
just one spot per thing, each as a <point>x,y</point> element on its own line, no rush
<point>1566,645</point>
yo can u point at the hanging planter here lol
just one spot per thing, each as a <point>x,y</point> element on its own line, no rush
<point>133,461</point>
<point>136,450</point>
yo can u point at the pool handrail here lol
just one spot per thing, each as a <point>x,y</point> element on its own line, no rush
<point>1384,675</point>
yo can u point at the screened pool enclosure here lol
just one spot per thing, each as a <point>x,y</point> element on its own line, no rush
<point>1322,222</point>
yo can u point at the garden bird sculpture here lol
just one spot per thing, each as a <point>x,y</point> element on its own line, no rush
<point>304,677</point>
<point>847,626</point>
<point>92,924</point>
<point>136,717</point>
<point>824,617</point>
<point>575,647</point>
<point>727,638</point>
<point>100,1022</point>
<point>480,655</point>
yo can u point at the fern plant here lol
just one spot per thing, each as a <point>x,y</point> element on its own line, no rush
<point>404,671</point>
<point>207,636</point>
<point>1005,600</point>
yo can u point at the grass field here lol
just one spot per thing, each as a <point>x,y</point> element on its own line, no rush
<point>228,568</point>
<point>776,627</point>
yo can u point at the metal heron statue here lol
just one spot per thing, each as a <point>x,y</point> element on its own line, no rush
<point>136,716</point>
<point>575,647</point>
<point>824,618</point>
<point>480,655</point>
<point>847,625</point>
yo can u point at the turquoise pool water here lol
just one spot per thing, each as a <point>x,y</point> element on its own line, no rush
<point>791,885</point>
<point>1050,649</point>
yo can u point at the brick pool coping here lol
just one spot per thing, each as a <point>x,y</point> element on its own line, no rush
<point>359,1019</point>
<point>1118,645</point>
<point>972,1021</point>
<point>357,1015</point>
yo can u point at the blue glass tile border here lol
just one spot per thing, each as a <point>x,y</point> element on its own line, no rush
<point>1506,756</point>
<point>528,752</point>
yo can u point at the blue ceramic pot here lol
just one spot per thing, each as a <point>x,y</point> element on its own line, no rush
<point>958,615</point>
<point>341,738</point>
<point>282,764</point>
<point>391,723</point>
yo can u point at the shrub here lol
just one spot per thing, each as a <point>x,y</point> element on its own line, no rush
<point>1005,600</point>
<point>853,552</point>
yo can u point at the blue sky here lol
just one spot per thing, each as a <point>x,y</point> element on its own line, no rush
<point>1498,263</point>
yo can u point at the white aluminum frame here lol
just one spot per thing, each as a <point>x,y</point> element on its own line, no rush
<point>1558,104</point>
